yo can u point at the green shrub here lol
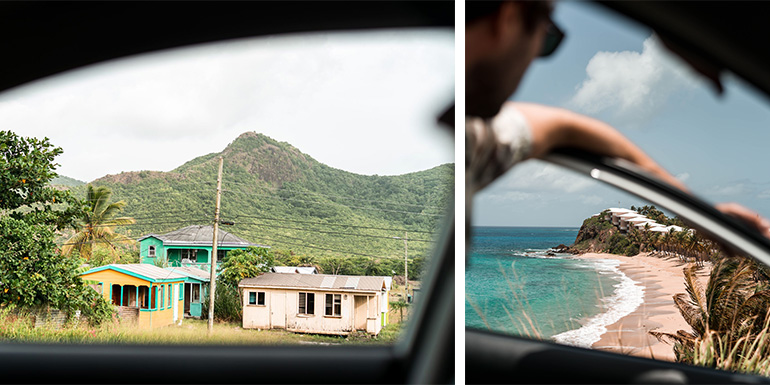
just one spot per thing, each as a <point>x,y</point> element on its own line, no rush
<point>227,304</point>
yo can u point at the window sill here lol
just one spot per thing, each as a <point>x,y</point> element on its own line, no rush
<point>305,315</point>
<point>332,316</point>
<point>253,305</point>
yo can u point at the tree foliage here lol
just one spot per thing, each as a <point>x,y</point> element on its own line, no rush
<point>32,273</point>
<point>245,263</point>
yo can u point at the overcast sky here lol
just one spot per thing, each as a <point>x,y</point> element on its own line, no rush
<point>364,102</point>
<point>617,71</point>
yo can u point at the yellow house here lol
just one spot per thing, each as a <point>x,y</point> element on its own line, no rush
<point>153,296</point>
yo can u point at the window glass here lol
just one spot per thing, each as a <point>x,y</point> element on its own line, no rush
<point>559,257</point>
<point>333,163</point>
<point>307,303</point>
<point>252,298</point>
<point>333,305</point>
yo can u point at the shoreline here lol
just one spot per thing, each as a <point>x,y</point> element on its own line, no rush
<point>661,278</point>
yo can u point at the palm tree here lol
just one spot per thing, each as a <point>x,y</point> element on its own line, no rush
<point>98,224</point>
<point>732,307</point>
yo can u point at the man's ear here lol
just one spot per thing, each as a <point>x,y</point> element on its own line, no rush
<point>506,23</point>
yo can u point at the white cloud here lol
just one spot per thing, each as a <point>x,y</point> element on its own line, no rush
<point>731,190</point>
<point>683,177</point>
<point>631,82</point>
<point>764,194</point>
<point>364,102</point>
<point>538,176</point>
<point>592,200</point>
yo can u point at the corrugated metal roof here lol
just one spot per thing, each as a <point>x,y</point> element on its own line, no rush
<point>198,235</point>
<point>328,282</point>
<point>141,269</point>
<point>192,272</point>
<point>294,269</point>
<point>316,281</point>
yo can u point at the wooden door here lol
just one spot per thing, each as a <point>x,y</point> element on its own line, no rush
<point>278,310</point>
<point>360,303</point>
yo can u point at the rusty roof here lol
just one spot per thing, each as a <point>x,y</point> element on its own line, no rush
<point>317,281</point>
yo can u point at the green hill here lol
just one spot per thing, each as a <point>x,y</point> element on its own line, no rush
<point>278,196</point>
<point>66,181</point>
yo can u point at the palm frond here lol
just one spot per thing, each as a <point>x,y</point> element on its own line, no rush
<point>692,314</point>
<point>695,289</point>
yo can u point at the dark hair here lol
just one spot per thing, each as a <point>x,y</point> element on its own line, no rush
<point>532,10</point>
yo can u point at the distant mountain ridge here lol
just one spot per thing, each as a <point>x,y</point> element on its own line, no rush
<point>62,180</point>
<point>279,196</point>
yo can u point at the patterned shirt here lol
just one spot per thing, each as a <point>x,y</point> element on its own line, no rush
<point>492,147</point>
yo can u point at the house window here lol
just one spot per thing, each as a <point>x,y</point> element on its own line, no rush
<point>261,298</point>
<point>152,252</point>
<point>162,298</point>
<point>306,303</point>
<point>221,254</point>
<point>252,298</point>
<point>333,305</point>
<point>188,253</point>
<point>170,295</point>
<point>181,291</point>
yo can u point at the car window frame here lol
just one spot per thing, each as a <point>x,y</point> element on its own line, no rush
<point>493,357</point>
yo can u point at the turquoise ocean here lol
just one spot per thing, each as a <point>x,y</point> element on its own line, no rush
<point>516,284</point>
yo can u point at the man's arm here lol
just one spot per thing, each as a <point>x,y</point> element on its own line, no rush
<point>555,127</point>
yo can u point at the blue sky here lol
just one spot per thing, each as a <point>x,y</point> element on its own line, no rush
<point>611,68</point>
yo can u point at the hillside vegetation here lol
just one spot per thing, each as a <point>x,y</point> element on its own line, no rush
<point>278,196</point>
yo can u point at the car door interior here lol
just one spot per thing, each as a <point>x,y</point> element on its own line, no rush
<point>496,358</point>
<point>42,39</point>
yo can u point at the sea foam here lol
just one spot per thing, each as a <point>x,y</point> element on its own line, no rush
<point>627,297</point>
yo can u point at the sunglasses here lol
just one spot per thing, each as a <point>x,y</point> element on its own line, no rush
<point>553,37</point>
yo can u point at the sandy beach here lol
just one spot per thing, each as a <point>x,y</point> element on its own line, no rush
<point>661,278</point>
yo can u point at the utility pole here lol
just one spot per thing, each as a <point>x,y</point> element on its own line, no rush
<point>213,268</point>
<point>406,271</point>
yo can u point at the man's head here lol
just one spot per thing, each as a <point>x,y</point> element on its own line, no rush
<point>501,40</point>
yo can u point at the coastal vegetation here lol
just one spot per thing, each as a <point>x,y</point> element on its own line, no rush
<point>729,316</point>
<point>599,234</point>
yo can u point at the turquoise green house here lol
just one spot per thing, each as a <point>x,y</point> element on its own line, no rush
<point>189,246</point>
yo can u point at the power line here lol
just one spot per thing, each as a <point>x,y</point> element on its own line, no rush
<point>263,237</point>
<point>330,224</point>
<point>334,196</point>
<point>332,250</point>
<point>335,232</point>
<point>338,204</point>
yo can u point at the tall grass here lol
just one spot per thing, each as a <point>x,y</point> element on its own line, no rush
<point>19,327</point>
